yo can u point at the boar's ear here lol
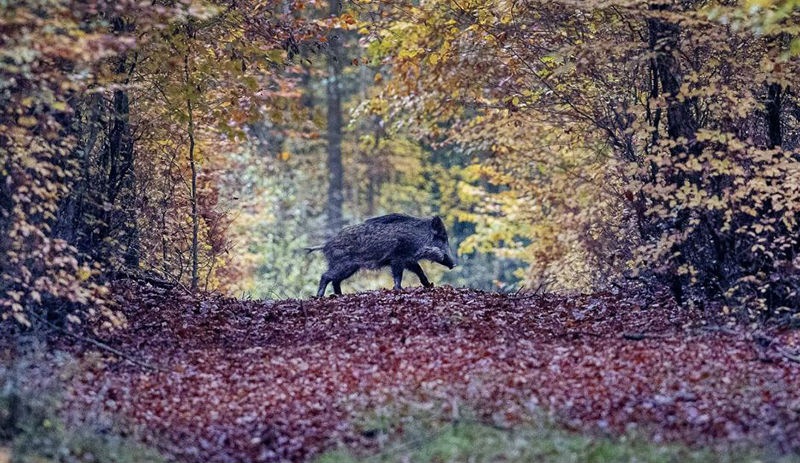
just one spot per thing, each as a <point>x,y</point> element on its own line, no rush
<point>438,227</point>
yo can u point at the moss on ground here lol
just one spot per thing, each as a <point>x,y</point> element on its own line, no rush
<point>424,441</point>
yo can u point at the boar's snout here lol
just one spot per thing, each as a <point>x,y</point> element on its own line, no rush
<point>448,261</point>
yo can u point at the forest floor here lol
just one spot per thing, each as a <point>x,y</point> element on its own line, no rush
<point>244,380</point>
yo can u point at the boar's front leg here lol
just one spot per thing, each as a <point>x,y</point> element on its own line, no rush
<point>415,267</point>
<point>397,273</point>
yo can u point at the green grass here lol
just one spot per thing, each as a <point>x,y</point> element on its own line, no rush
<point>31,430</point>
<point>57,444</point>
<point>474,442</point>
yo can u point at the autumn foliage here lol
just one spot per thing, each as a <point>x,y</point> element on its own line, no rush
<point>44,52</point>
<point>649,140</point>
<point>113,118</point>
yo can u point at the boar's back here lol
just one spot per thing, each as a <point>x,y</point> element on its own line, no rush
<point>390,218</point>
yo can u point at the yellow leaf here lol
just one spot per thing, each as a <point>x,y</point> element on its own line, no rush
<point>22,319</point>
<point>84,274</point>
<point>760,3</point>
<point>27,121</point>
<point>794,47</point>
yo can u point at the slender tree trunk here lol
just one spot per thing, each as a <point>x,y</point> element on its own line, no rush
<point>664,41</point>
<point>71,224</point>
<point>193,165</point>
<point>371,174</point>
<point>307,97</point>
<point>774,102</point>
<point>334,135</point>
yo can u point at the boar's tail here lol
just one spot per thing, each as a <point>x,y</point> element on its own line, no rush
<point>314,248</point>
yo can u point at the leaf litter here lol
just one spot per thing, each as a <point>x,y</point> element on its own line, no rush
<point>285,380</point>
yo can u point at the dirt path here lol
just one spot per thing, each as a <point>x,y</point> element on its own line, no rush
<point>253,381</point>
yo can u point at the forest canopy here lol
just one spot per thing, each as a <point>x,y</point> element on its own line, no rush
<point>568,145</point>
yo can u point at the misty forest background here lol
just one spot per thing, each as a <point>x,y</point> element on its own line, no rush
<point>569,146</point>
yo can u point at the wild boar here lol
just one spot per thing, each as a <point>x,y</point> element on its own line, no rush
<point>396,240</point>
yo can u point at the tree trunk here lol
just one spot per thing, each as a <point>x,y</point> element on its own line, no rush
<point>334,135</point>
<point>774,102</point>
<point>681,122</point>
<point>663,42</point>
<point>117,157</point>
<point>193,166</point>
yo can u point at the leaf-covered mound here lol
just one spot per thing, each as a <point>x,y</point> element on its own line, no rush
<point>271,381</point>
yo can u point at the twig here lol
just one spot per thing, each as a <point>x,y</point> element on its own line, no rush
<point>720,329</point>
<point>586,333</point>
<point>160,283</point>
<point>766,341</point>
<point>642,336</point>
<point>788,355</point>
<point>99,344</point>
<point>577,333</point>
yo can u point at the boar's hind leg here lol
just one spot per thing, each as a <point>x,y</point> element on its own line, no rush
<point>397,273</point>
<point>338,274</point>
<point>323,283</point>
<point>415,267</point>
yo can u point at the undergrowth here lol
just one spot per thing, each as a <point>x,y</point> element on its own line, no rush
<point>33,431</point>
